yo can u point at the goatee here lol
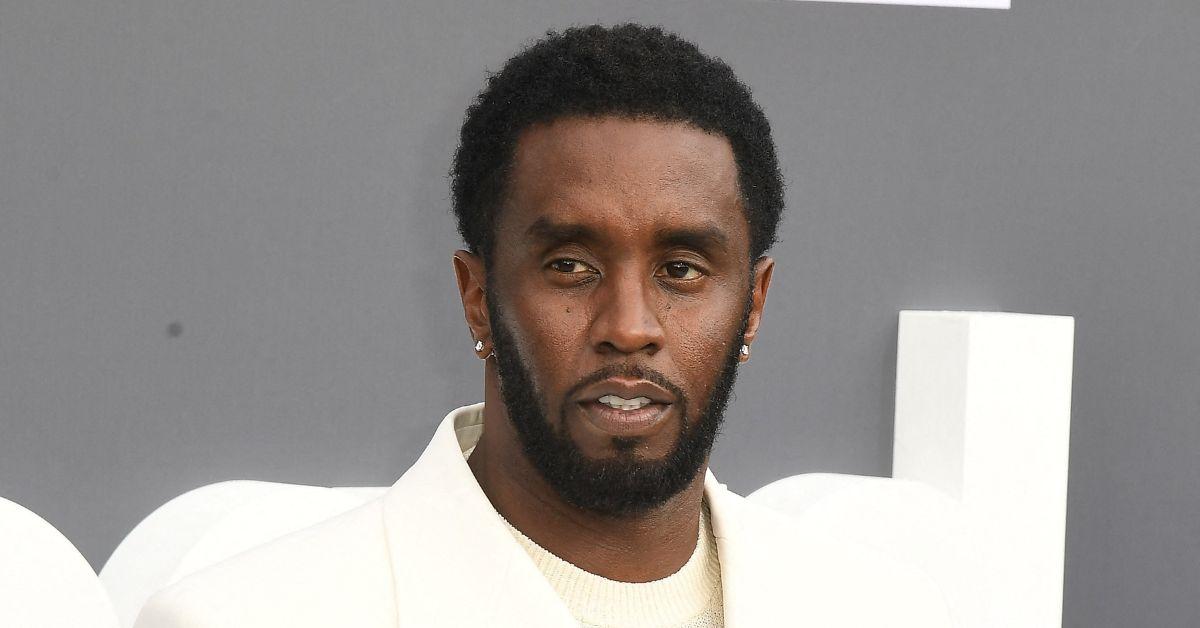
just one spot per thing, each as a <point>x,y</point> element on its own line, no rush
<point>624,484</point>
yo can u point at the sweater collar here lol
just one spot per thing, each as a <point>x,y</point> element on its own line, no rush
<point>675,600</point>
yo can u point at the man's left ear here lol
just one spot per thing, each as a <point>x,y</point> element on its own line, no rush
<point>763,268</point>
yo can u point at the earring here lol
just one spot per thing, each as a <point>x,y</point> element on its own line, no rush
<point>479,347</point>
<point>745,351</point>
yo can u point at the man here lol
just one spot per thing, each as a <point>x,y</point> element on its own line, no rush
<point>617,190</point>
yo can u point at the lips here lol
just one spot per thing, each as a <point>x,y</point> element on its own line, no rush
<point>625,423</point>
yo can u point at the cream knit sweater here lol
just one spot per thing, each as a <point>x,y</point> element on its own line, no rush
<point>688,598</point>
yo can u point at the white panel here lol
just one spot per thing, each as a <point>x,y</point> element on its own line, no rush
<point>983,413</point>
<point>931,383</point>
<point>909,521</point>
<point>970,4</point>
<point>44,581</point>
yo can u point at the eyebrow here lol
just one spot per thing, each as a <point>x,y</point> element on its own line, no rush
<point>706,237</point>
<point>545,230</point>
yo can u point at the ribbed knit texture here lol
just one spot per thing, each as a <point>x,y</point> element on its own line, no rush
<point>688,598</point>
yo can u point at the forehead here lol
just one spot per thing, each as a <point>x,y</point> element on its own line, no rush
<point>624,173</point>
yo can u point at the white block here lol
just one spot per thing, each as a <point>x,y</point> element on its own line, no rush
<point>983,404</point>
<point>44,581</point>
<point>908,521</point>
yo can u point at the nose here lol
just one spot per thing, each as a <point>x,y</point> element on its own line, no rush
<point>627,320</point>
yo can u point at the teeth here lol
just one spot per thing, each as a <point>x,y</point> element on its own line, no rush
<point>620,403</point>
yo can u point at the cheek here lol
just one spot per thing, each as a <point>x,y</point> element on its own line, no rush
<point>552,333</point>
<point>700,339</point>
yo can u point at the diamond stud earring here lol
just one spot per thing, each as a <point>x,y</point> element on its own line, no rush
<point>479,347</point>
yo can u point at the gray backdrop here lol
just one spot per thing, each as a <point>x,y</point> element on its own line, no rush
<point>225,244</point>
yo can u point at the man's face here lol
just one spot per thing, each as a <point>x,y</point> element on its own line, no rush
<point>620,277</point>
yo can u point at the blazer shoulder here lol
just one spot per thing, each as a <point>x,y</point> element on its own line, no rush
<point>337,572</point>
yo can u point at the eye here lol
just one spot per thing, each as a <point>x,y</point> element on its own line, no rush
<point>569,266</point>
<point>681,270</point>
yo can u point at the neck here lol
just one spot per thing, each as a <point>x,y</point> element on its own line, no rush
<point>641,548</point>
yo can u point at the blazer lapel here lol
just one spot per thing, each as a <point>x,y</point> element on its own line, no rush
<point>747,582</point>
<point>454,563</point>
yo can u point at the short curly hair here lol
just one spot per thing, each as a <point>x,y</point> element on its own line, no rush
<point>627,70</point>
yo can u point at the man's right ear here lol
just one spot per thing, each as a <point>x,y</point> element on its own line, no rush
<point>472,282</point>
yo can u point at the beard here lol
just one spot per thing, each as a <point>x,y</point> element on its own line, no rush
<point>625,484</point>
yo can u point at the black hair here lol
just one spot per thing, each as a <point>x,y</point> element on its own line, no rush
<point>627,70</point>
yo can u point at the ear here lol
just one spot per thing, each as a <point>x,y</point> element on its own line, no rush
<point>758,298</point>
<point>472,282</point>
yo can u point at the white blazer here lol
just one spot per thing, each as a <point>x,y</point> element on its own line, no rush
<point>433,552</point>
